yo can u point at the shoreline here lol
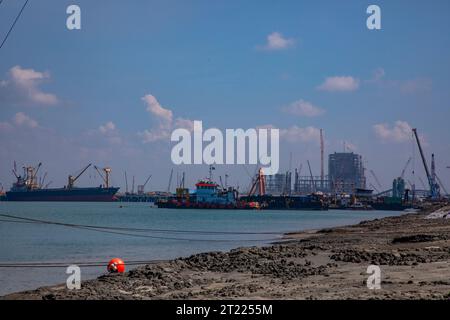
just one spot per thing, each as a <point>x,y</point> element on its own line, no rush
<point>412,252</point>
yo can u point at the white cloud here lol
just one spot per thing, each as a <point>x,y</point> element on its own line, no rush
<point>156,109</point>
<point>21,119</point>
<point>107,127</point>
<point>276,41</point>
<point>303,108</point>
<point>165,122</point>
<point>298,134</point>
<point>184,123</point>
<point>340,83</point>
<point>109,132</point>
<point>400,132</point>
<point>23,87</point>
<point>153,135</point>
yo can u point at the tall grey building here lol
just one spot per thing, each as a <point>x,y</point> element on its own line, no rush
<point>346,172</point>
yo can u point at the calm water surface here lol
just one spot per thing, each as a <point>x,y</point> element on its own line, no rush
<point>24,242</point>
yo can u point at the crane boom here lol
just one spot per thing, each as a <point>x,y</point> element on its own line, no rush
<point>35,172</point>
<point>406,166</point>
<point>72,179</point>
<point>145,183</point>
<point>312,178</point>
<point>442,185</point>
<point>170,180</point>
<point>433,190</point>
<point>376,178</point>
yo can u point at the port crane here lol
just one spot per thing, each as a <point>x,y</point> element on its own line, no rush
<point>142,187</point>
<point>313,183</point>
<point>434,187</point>
<point>170,181</point>
<point>260,181</point>
<point>126,183</point>
<point>72,179</point>
<point>105,177</point>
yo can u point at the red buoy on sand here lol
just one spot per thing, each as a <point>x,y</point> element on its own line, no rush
<point>116,265</point>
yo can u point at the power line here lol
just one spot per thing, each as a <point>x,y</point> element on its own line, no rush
<point>14,23</point>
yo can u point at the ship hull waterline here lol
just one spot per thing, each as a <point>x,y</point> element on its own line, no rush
<point>65,195</point>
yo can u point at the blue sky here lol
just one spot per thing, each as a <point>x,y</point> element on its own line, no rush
<point>214,61</point>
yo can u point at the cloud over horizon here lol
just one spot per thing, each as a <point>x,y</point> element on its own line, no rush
<point>303,108</point>
<point>400,132</point>
<point>22,87</point>
<point>164,123</point>
<point>276,41</point>
<point>339,84</point>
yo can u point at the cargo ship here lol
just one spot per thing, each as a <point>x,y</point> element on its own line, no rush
<point>26,188</point>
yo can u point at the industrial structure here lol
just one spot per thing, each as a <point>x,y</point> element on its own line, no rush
<point>279,183</point>
<point>346,172</point>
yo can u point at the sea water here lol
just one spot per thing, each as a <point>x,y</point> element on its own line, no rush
<point>37,243</point>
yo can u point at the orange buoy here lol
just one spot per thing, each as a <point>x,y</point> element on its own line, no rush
<point>116,265</point>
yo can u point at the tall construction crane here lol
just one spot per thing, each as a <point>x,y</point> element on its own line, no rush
<point>72,179</point>
<point>434,187</point>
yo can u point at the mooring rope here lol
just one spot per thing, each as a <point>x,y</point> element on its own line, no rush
<point>119,231</point>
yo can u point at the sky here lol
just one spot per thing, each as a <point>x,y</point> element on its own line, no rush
<point>112,92</point>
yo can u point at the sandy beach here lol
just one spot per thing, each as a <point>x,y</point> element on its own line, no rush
<point>413,253</point>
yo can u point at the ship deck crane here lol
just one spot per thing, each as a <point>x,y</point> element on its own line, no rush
<point>434,188</point>
<point>105,177</point>
<point>71,179</point>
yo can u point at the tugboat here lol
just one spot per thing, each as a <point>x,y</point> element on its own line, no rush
<point>208,195</point>
<point>27,188</point>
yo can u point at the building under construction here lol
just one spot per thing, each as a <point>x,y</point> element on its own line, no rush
<point>345,172</point>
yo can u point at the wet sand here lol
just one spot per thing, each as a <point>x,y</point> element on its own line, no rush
<point>412,252</point>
